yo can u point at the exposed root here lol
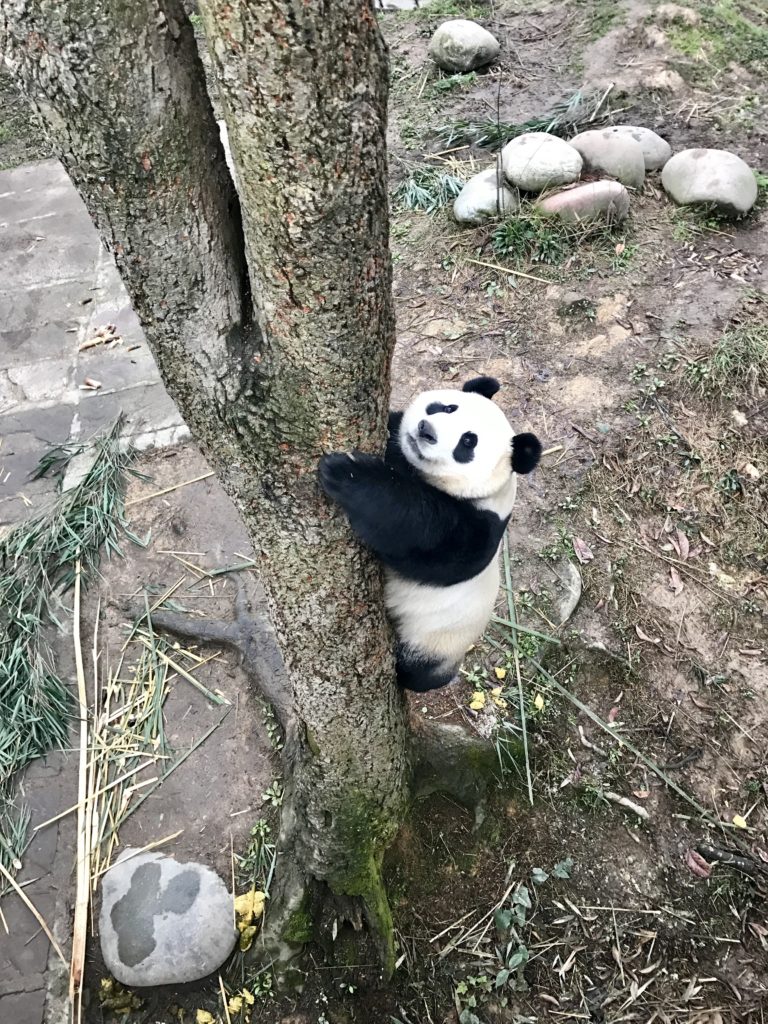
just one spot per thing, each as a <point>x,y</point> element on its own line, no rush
<point>252,637</point>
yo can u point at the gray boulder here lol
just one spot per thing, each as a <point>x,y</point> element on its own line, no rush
<point>619,156</point>
<point>462,45</point>
<point>162,922</point>
<point>606,200</point>
<point>656,151</point>
<point>710,176</point>
<point>536,160</point>
<point>483,198</point>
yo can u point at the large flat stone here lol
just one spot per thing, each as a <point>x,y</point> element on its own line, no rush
<point>163,922</point>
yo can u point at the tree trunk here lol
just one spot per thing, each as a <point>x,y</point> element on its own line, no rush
<point>271,368</point>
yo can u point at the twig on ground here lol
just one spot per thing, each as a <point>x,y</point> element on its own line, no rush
<point>624,801</point>
<point>167,490</point>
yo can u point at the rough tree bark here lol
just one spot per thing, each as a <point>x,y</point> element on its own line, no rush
<point>275,343</point>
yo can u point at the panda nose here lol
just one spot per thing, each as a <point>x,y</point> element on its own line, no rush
<point>427,432</point>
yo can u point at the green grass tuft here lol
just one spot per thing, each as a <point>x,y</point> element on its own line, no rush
<point>737,365</point>
<point>565,120</point>
<point>531,237</point>
<point>428,189</point>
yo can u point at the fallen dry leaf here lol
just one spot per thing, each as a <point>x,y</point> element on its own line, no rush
<point>675,583</point>
<point>644,636</point>
<point>582,551</point>
<point>683,545</point>
<point>697,864</point>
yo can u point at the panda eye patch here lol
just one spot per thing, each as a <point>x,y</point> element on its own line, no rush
<point>434,407</point>
<point>465,449</point>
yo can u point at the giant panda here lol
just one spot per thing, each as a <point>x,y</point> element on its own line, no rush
<point>434,512</point>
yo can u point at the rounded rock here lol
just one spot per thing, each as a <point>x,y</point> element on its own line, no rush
<point>710,176</point>
<point>462,45</point>
<point>536,160</point>
<point>606,200</point>
<point>162,922</point>
<point>656,151</point>
<point>619,156</point>
<point>484,197</point>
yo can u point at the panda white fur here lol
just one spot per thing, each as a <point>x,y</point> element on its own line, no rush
<point>434,511</point>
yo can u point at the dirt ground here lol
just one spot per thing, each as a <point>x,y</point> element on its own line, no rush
<point>641,361</point>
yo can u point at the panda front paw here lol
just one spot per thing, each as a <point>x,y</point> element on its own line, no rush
<point>336,472</point>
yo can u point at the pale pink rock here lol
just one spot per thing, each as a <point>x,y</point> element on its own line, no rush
<point>607,200</point>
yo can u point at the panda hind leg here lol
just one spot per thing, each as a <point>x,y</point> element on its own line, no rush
<point>421,674</point>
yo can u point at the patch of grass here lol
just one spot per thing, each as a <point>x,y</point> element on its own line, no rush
<point>531,237</point>
<point>449,83</point>
<point>564,119</point>
<point>439,9</point>
<point>427,189</point>
<point>600,17</point>
<point>737,366</point>
<point>689,222</point>
<point>730,32</point>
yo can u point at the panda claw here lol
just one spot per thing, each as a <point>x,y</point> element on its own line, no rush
<point>335,472</point>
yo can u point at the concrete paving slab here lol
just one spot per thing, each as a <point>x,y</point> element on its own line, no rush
<point>43,383</point>
<point>42,322</point>
<point>58,288</point>
<point>36,190</point>
<point>24,436</point>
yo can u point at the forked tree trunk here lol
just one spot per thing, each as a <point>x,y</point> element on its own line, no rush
<point>271,359</point>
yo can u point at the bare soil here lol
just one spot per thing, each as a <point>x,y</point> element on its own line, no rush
<point>651,479</point>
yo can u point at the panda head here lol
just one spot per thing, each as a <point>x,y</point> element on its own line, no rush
<point>462,443</point>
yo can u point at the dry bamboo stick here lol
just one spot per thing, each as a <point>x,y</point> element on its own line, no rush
<point>80,928</point>
<point>167,490</point>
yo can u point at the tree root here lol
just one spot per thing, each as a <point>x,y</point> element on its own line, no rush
<point>249,634</point>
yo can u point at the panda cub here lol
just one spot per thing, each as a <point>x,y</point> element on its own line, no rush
<point>434,511</point>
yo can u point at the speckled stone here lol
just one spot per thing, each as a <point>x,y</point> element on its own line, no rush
<point>710,176</point>
<point>536,160</point>
<point>163,922</point>
<point>462,45</point>
<point>484,198</point>
<point>619,156</point>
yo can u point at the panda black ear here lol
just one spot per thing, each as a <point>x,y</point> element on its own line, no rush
<point>526,452</point>
<point>485,386</point>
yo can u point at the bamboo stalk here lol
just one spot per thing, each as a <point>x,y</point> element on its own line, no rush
<point>80,927</point>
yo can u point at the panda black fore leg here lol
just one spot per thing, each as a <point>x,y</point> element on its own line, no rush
<point>341,474</point>
<point>422,674</point>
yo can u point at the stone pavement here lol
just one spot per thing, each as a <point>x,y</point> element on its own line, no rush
<point>58,288</point>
